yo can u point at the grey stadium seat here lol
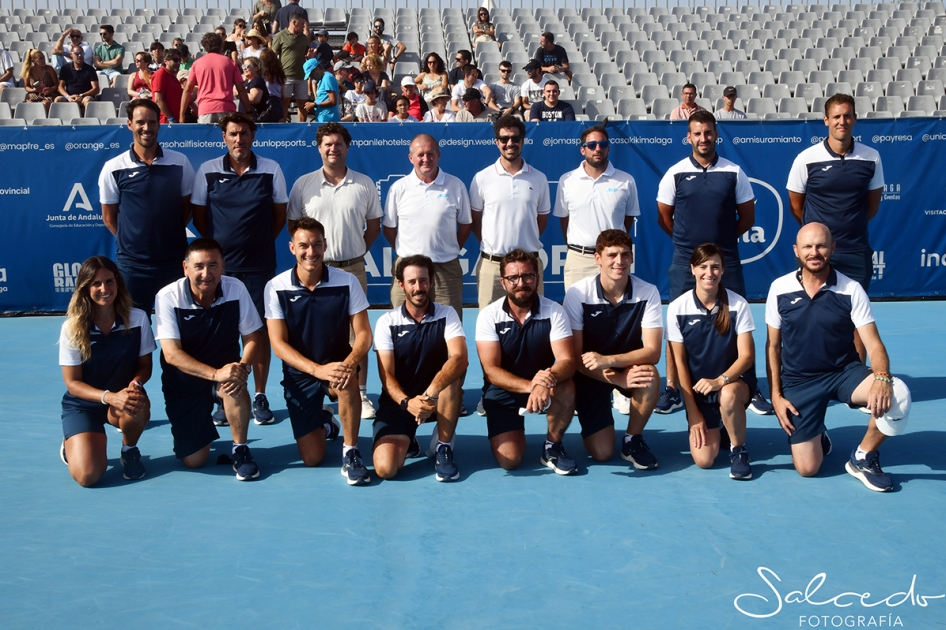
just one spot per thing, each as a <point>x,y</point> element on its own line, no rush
<point>892,104</point>
<point>29,111</point>
<point>925,104</point>
<point>631,108</point>
<point>871,90</point>
<point>793,106</point>
<point>64,111</point>
<point>809,92</point>
<point>903,89</point>
<point>838,88</point>
<point>776,91</point>
<point>652,92</point>
<point>760,106</point>
<point>662,107</point>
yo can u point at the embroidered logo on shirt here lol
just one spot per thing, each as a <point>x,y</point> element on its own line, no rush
<point>504,331</point>
<point>187,318</point>
<point>693,321</point>
<point>798,299</point>
<point>402,333</point>
<point>691,177</point>
<point>596,313</point>
<point>132,174</point>
<point>827,167</point>
<point>293,299</point>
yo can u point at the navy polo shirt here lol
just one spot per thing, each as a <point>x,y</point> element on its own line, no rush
<point>240,210</point>
<point>525,348</point>
<point>210,335</point>
<point>835,188</point>
<point>817,332</point>
<point>704,204</point>
<point>151,229</point>
<point>78,81</point>
<point>318,321</point>
<point>420,348</point>
<point>709,353</point>
<point>616,329</point>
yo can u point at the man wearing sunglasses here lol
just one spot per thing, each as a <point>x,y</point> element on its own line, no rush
<point>62,50</point>
<point>463,59</point>
<point>391,47</point>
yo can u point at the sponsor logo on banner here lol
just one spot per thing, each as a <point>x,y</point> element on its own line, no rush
<point>3,279</point>
<point>77,211</point>
<point>892,192</point>
<point>932,259</point>
<point>64,276</point>
<point>879,264</point>
<point>761,238</point>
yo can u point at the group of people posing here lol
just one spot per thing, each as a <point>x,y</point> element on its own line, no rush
<point>602,344</point>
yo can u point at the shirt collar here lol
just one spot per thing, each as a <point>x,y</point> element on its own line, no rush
<point>699,304</point>
<point>135,158</point>
<point>628,290</point>
<point>228,168</point>
<point>831,152</point>
<point>437,180</point>
<point>427,313</point>
<point>830,282</point>
<point>218,294</point>
<point>298,283</point>
<point>700,166</point>
<point>501,171</point>
<point>608,172</point>
<point>536,304</point>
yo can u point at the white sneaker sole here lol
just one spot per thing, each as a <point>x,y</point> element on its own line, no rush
<point>738,478</point>
<point>630,459</point>
<point>239,478</point>
<point>558,471</point>
<point>863,478</point>
<point>453,478</point>
<point>62,452</point>
<point>671,409</point>
<point>355,482</point>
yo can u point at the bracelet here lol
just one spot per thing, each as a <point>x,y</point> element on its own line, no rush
<point>884,379</point>
<point>103,397</point>
<point>432,398</point>
<point>885,374</point>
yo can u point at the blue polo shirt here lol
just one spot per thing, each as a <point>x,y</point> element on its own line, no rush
<point>835,188</point>
<point>240,210</point>
<point>709,353</point>
<point>616,329</point>
<point>704,204</point>
<point>209,335</point>
<point>318,321</point>
<point>525,349</point>
<point>420,348</point>
<point>151,229</point>
<point>817,332</point>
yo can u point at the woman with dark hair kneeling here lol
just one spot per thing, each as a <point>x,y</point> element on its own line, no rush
<point>710,330</point>
<point>105,352</point>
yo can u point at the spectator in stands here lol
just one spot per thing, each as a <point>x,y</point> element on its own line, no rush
<point>283,18</point>
<point>437,111</point>
<point>78,82</point>
<point>343,75</point>
<point>374,46</point>
<point>417,105</point>
<point>291,45</point>
<point>729,111</point>
<point>264,14</point>
<point>39,79</point>
<point>255,43</point>
<point>473,110</point>
<point>483,29</point>
<point>166,90</point>
<point>255,87</point>
<point>228,49</point>
<point>356,96</point>
<point>433,76</point>
<point>6,69</point>
<point>689,106</point>
<point>356,52</point>
<point>373,109</point>
<point>187,60</point>
<point>462,60</point>
<point>391,48</point>
<point>157,56</point>
<point>323,51</point>
<point>215,76</point>
<point>275,79</point>
<point>471,80</point>
<point>553,57</point>
<point>532,91</point>
<point>109,55</point>
<point>506,94</point>
<point>62,50</point>
<point>374,72</point>
<point>551,109</point>
<point>401,111</point>
<point>139,85</point>
<point>237,37</point>
<point>267,33</point>
<point>324,88</point>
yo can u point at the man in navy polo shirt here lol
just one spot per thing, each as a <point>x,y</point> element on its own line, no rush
<point>200,320</point>
<point>309,309</point>
<point>811,315</point>
<point>421,358</point>
<point>616,321</point>
<point>240,201</point>
<point>145,195</point>
<point>525,346</point>
<point>703,198</point>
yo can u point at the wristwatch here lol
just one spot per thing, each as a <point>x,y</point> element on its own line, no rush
<point>404,403</point>
<point>725,378</point>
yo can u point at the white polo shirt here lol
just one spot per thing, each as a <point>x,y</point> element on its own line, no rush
<point>342,209</point>
<point>510,204</point>
<point>426,215</point>
<point>460,89</point>
<point>594,205</point>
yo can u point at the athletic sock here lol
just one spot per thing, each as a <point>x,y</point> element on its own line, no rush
<point>346,448</point>
<point>125,449</point>
<point>363,389</point>
<point>628,437</point>
<point>860,454</point>
<point>236,446</point>
<point>549,444</point>
<point>258,394</point>
<point>441,443</point>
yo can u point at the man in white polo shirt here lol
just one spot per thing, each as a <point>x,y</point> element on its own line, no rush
<point>510,204</point>
<point>348,205</point>
<point>428,212</point>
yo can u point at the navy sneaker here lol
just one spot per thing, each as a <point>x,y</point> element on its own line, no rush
<point>480,409</point>
<point>825,443</point>
<point>131,463</point>
<point>555,457</point>
<point>446,469</point>
<point>353,470</point>
<point>220,417</point>
<point>328,415</point>
<point>739,464</point>
<point>669,401</point>
<point>62,453</point>
<point>869,472</point>
<point>636,451</point>
<point>760,406</point>
<point>261,413</point>
<point>413,449</point>
<point>243,464</point>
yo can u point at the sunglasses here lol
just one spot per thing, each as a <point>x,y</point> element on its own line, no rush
<point>505,70</point>
<point>594,144</point>
<point>508,139</point>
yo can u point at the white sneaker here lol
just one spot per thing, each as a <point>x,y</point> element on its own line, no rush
<point>480,411</point>
<point>367,407</point>
<point>622,403</point>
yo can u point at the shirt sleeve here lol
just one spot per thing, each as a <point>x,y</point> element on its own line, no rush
<point>573,308</point>
<point>861,312</point>
<point>279,186</point>
<point>653,313</point>
<point>544,197</point>
<point>485,326</point>
<point>667,189</point>
<point>772,317</point>
<point>561,209</point>
<point>453,327</point>
<point>165,322</point>
<point>199,189</point>
<point>743,322</point>
<point>798,176</point>
<point>139,319</point>
<point>382,334</point>
<point>464,214</point>
<point>559,321</point>
<point>672,331</point>
<point>390,206</point>
<point>249,316</point>
<point>294,210</point>
<point>743,187</point>
<point>108,187</point>
<point>569,113</point>
<point>374,201</point>
<point>877,181</point>
<point>187,178</point>
<point>476,197</point>
<point>271,307</point>
<point>68,354</point>
<point>357,302</point>
<point>633,208</point>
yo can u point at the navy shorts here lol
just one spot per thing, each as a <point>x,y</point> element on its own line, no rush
<point>255,282</point>
<point>392,420</point>
<point>858,266</point>
<point>144,282</point>
<point>682,280</point>
<point>304,400</point>
<point>709,407</point>
<point>811,398</point>
<point>502,410</point>
<point>191,418</point>
<point>592,404</point>
<point>76,419</point>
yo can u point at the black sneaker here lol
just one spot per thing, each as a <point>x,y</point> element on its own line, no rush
<point>413,449</point>
<point>131,463</point>
<point>261,413</point>
<point>869,472</point>
<point>446,469</point>
<point>555,457</point>
<point>669,401</point>
<point>760,406</point>
<point>825,443</point>
<point>62,453</point>
<point>243,464</point>
<point>739,464</point>
<point>636,451</point>
<point>353,470</point>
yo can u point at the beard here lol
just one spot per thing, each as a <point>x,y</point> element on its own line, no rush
<point>522,299</point>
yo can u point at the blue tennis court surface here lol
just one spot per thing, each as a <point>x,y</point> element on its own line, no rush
<point>677,547</point>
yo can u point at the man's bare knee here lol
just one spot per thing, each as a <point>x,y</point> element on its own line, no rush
<point>507,463</point>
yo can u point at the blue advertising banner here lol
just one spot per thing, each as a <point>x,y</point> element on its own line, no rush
<point>51,216</point>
